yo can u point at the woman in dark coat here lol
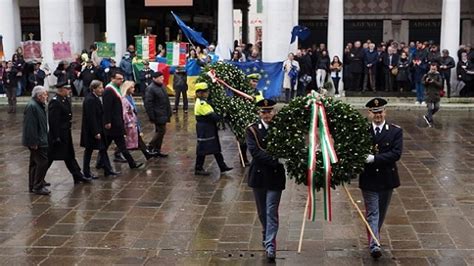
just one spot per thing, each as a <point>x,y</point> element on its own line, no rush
<point>92,131</point>
<point>403,76</point>
<point>61,73</point>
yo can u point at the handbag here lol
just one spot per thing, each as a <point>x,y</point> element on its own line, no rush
<point>395,71</point>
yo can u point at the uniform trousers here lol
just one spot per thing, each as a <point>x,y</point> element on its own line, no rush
<point>267,207</point>
<point>71,165</point>
<point>376,206</point>
<point>201,158</point>
<point>38,167</point>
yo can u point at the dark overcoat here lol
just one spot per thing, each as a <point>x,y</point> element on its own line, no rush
<point>113,112</point>
<point>59,135</point>
<point>92,122</point>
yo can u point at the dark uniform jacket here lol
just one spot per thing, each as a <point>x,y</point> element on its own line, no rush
<point>35,125</point>
<point>92,122</point>
<point>265,170</point>
<point>382,174</point>
<point>145,79</point>
<point>206,130</point>
<point>113,111</point>
<point>59,136</point>
<point>88,75</point>
<point>157,104</point>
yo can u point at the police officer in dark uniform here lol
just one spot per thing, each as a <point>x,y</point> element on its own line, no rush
<point>145,77</point>
<point>206,131</point>
<point>380,175</point>
<point>266,177</point>
<point>59,135</point>
<point>258,96</point>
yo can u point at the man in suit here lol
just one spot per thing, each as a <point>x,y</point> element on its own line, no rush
<point>92,132</point>
<point>380,175</point>
<point>266,177</point>
<point>59,137</point>
<point>113,118</point>
<point>158,108</point>
<point>356,66</point>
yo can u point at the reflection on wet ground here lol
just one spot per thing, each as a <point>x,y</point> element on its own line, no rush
<point>164,215</point>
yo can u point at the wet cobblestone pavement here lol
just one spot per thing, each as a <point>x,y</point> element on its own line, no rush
<point>164,215</point>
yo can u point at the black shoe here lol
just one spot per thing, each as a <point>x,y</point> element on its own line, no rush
<point>120,159</point>
<point>98,166</point>
<point>46,184</point>
<point>82,179</point>
<point>150,154</point>
<point>226,169</point>
<point>186,111</point>
<point>376,253</point>
<point>91,176</point>
<point>201,172</point>
<point>111,173</point>
<point>271,256</point>
<point>175,111</point>
<point>41,191</point>
<point>136,165</point>
<point>162,155</point>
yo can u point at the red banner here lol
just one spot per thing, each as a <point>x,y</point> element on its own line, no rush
<point>32,51</point>
<point>62,51</point>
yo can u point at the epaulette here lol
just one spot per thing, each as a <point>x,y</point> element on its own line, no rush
<point>251,125</point>
<point>397,126</point>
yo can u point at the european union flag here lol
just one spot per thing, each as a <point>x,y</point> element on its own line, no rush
<point>271,73</point>
<point>193,36</point>
<point>301,32</point>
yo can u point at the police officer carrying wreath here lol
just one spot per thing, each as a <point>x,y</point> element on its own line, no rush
<point>206,130</point>
<point>380,175</point>
<point>266,177</point>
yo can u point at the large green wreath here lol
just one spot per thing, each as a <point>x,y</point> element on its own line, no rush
<point>236,111</point>
<point>288,135</point>
<point>288,139</point>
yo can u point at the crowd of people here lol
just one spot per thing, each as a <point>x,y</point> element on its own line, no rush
<point>389,66</point>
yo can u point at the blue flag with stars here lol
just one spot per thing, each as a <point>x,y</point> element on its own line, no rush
<point>272,76</point>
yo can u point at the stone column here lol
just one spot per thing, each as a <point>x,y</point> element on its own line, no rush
<point>451,25</point>
<point>10,26</point>
<point>277,26</point>
<point>466,36</point>
<point>387,30</point>
<point>336,32</point>
<point>245,25</point>
<point>404,31</point>
<point>115,26</point>
<point>225,28</point>
<point>60,20</point>
<point>294,46</point>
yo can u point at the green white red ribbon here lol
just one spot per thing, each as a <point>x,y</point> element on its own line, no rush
<point>327,150</point>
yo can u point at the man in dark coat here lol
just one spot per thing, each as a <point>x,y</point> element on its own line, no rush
<point>206,131</point>
<point>35,137</point>
<point>433,84</point>
<point>357,66</point>
<point>60,137</point>
<point>88,74</point>
<point>380,175</point>
<point>145,77</point>
<point>92,132</point>
<point>37,76</point>
<point>371,58</point>
<point>158,108</point>
<point>113,118</point>
<point>266,177</point>
<point>446,64</point>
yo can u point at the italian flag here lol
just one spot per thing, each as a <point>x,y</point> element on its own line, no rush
<point>176,53</point>
<point>146,46</point>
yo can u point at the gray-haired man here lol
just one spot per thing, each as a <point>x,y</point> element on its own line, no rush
<point>35,137</point>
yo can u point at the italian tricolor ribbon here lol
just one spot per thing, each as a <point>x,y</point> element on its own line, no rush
<point>319,127</point>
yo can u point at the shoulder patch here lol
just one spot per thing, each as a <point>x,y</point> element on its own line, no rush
<point>397,126</point>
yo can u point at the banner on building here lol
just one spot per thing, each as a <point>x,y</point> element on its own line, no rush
<point>146,46</point>
<point>105,49</point>
<point>2,54</point>
<point>62,51</point>
<point>176,53</point>
<point>32,51</point>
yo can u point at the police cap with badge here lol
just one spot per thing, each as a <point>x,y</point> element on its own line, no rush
<point>63,84</point>
<point>376,105</point>
<point>266,105</point>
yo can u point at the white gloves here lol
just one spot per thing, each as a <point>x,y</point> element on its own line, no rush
<point>370,158</point>
<point>282,161</point>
